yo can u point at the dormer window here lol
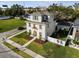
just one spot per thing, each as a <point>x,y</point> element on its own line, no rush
<point>44,18</point>
<point>35,17</point>
<point>27,16</point>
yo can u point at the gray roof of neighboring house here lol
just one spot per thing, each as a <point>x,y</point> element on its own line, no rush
<point>64,23</point>
<point>76,23</point>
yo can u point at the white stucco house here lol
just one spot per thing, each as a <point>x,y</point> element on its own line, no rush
<point>40,24</point>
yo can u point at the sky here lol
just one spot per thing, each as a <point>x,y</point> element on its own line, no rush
<point>36,3</point>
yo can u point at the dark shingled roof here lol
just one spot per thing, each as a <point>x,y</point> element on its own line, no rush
<point>64,23</point>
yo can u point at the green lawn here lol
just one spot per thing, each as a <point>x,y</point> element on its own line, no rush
<point>23,54</point>
<point>9,24</point>
<point>20,39</point>
<point>48,49</point>
<point>51,50</point>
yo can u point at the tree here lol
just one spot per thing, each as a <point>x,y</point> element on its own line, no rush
<point>1,12</point>
<point>62,13</point>
<point>7,12</point>
<point>17,10</point>
<point>76,8</point>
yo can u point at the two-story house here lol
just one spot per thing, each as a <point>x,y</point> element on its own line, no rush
<point>40,24</point>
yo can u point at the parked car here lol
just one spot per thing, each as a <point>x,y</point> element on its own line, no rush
<point>21,28</point>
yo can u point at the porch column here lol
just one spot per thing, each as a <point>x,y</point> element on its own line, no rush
<point>74,32</point>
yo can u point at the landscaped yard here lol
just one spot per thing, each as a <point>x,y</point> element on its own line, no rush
<point>21,39</point>
<point>23,54</point>
<point>49,49</point>
<point>6,25</point>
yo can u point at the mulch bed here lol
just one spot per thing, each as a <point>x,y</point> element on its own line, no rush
<point>37,40</point>
<point>29,38</point>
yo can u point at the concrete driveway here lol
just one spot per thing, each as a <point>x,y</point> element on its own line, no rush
<point>3,48</point>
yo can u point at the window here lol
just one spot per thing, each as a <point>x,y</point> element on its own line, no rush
<point>44,17</point>
<point>40,26</point>
<point>29,25</point>
<point>40,33</point>
<point>35,17</point>
<point>27,16</point>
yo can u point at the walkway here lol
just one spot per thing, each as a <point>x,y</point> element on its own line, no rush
<point>29,42</point>
<point>26,50</point>
<point>17,34</point>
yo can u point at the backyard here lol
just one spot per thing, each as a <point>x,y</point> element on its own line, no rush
<point>9,24</point>
<point>61,34</point>
<point>48,49</point>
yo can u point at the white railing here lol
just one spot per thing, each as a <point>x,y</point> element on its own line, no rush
<point>74,46</point>
<point>56,41</point>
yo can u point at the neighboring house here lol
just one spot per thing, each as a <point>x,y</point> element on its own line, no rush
<point>17,17</point>
<point>40,24</point>
<point>74,32</point>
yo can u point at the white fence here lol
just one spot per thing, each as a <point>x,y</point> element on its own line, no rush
<point>56,41</point>
<point>74,46</point>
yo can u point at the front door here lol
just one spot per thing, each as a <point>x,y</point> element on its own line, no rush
<point>35,33</point>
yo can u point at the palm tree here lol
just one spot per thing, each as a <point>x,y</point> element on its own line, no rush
<point>76,8</point>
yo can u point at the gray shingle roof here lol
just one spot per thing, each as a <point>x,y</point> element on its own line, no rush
<point>64,23</point>
<point>76,23</point>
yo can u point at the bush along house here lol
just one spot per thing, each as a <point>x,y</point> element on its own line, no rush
<point>40,24</point>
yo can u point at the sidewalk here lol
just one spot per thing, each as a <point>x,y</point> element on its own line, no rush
<point>10,54</point>
<point>26,50</point>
